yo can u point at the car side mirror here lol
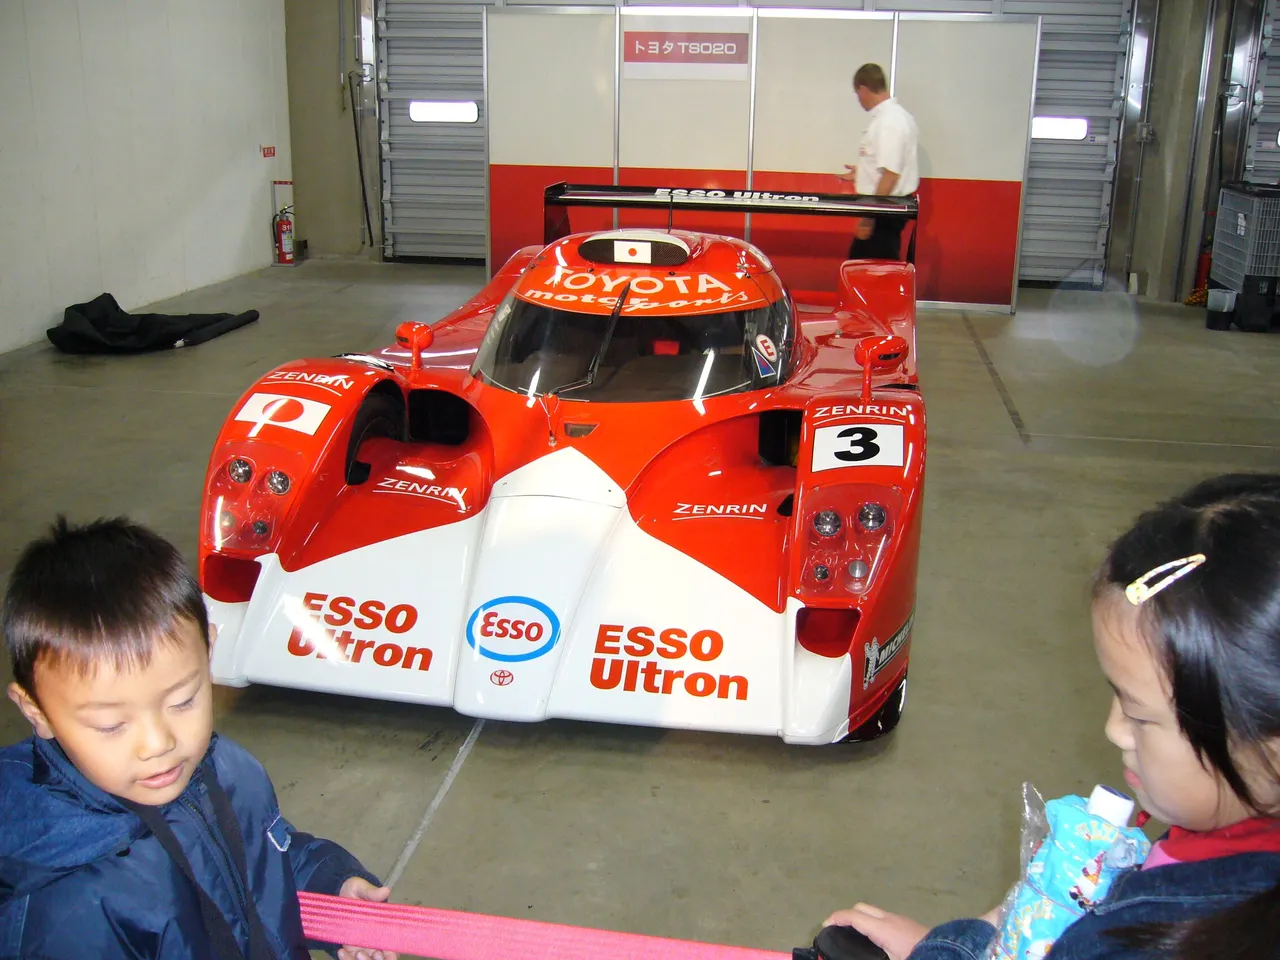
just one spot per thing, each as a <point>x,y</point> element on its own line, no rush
<point>416,337</point>
<point>879,355</point>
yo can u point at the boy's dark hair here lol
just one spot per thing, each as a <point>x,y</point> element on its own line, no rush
<point>1217,633</point>
<point>871,76</point>
<point>106,591</point>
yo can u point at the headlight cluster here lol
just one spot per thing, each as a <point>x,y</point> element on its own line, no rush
<point>827,523</point>
<point>241,471</point>
<point>871,516</point>
<point>844,544</point>
<point>247,504</point>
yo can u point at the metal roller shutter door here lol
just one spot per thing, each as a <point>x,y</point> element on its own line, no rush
<point>1083,57</point>
<point>433,174</point>
<point>1262,162</point>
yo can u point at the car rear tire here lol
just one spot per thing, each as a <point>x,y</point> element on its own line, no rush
<point>883,720</point>
<point>381,415</point>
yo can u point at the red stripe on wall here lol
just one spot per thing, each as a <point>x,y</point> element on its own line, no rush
<point>516,209</point>
<point>965,252</point>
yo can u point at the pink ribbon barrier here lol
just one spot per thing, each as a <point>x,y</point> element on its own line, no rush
<point>454,935</point>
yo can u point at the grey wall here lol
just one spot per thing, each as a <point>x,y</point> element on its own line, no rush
<point>1175,87</point>
<point>132,158</point>
<point>325,172</point>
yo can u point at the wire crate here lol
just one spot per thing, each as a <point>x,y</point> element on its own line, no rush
<point>1246,235</point>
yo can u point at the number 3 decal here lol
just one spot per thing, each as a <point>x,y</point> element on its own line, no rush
<point>862,444</point>
<point>857,445</point>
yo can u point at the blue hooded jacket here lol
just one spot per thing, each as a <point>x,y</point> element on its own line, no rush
<point>81,876</point>
<point>1164,894</point>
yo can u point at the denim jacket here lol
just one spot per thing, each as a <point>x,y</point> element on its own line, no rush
<point>1176,891</point>
<point>80,876</point>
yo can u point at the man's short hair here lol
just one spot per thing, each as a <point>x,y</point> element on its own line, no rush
<point>108,591</point>
<point>871,76</point>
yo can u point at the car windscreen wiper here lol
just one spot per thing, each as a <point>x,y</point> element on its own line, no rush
<point>590,378</point>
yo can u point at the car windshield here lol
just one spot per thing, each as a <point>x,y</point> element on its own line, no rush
<point>538,350</point>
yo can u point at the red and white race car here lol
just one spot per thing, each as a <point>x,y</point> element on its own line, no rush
<point>630,481</point>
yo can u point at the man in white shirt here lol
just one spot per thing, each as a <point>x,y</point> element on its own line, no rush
<point>888,165</point>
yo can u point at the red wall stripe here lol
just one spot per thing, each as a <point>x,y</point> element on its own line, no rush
<point>516,211</point>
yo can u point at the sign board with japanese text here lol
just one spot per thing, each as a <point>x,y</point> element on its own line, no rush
<point>685,55</point>
<point>669,46</point>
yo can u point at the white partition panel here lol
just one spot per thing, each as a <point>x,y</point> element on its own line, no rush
<point>676,121</point>
<point>551,94</point>
<point>807,118</point>
<point>969,84</point>
<point>551,89</point>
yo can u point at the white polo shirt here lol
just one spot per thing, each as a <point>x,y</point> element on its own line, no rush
<point>891,142</point>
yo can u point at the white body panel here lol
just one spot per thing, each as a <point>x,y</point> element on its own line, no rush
<point>539,606</point>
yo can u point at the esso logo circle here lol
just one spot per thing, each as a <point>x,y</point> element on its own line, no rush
<point>766,348</point>
<point>511,629</point>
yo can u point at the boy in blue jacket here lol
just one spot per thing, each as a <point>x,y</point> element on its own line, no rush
<point>129,828</point>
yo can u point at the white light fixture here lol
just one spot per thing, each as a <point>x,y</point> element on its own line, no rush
<point>659,10</point>
<point>443,111</point>
<point>1059,128</point>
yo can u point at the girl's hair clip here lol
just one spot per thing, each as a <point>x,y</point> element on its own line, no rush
<point>1143,589</point>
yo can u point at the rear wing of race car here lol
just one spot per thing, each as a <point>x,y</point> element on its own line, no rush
<point>559,196</point>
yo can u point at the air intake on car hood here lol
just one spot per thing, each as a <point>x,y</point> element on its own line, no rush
<point>635,246</point>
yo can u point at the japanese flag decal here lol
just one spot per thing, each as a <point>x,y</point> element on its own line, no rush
<point>278,410</point>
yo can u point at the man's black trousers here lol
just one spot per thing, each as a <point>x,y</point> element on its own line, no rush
<point>885,242</point>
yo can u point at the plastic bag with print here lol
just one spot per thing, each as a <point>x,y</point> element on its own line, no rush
<point>1072,850</point>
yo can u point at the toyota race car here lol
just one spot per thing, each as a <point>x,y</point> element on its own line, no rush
<point>630,481</point>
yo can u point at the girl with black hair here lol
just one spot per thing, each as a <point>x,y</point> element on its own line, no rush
<point>1186,624</point>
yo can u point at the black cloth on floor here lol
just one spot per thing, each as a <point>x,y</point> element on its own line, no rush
<point>100,326</point>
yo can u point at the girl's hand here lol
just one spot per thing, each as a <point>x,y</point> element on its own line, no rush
<point>897,936</point>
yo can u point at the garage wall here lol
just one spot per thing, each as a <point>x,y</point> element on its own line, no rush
<point>131,160</point>
<point>673,132</point>
<point>973,152</point>
<point>1160,228</point>
<point>325,171</point>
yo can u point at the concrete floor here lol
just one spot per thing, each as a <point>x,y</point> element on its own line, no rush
<point>1048,431</point>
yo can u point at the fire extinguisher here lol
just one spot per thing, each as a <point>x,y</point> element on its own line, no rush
<point>282,228</point>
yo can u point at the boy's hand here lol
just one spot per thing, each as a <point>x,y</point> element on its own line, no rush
<point>358,888</point>
<point>897,936</point>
